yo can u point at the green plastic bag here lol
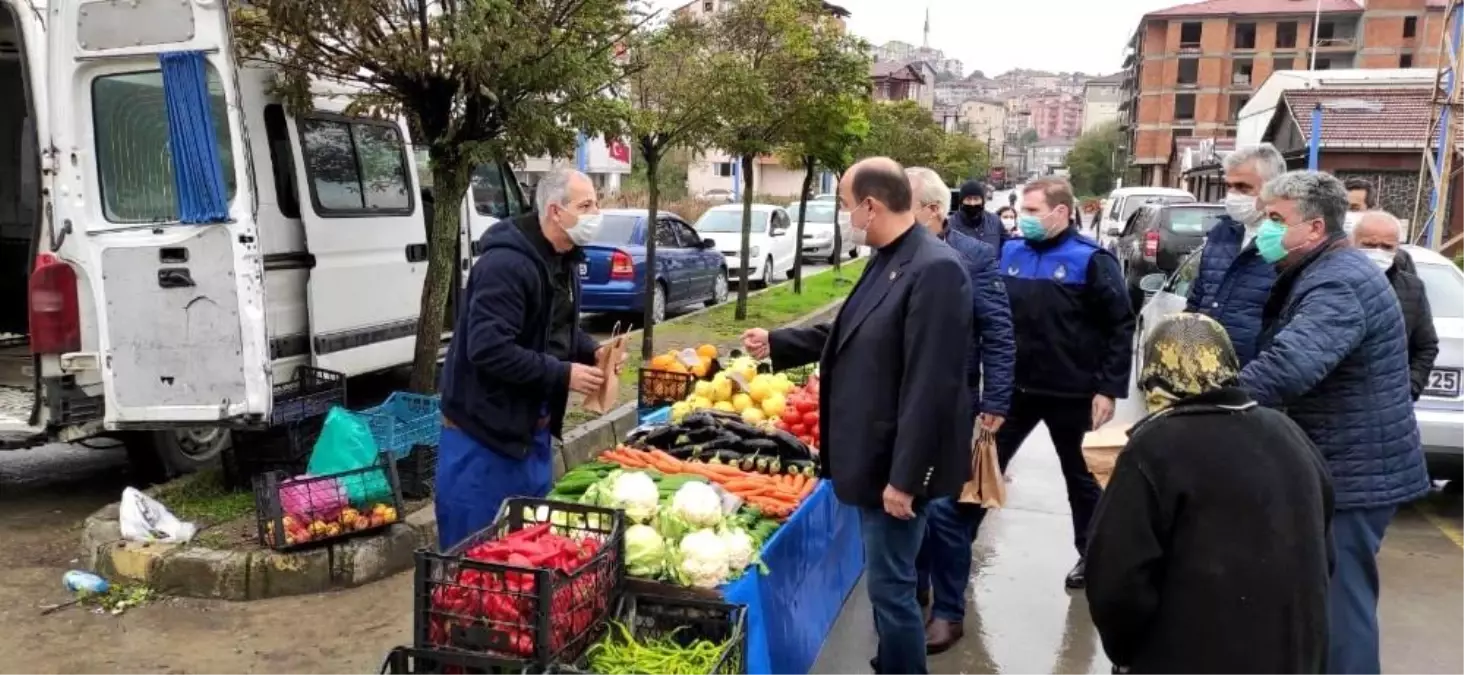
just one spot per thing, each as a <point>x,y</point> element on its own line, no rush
<point>346,444</point>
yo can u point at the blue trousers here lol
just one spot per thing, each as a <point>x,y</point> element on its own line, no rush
<point>473,480</point>
<point>890,548</point>
<point>944,564</point>
<point>1352,600</point>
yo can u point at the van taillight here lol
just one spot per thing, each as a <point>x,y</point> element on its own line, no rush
<point>622,268</point>
<point>1151,244</point>
<point>55,320</point>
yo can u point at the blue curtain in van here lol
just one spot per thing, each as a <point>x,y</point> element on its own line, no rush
<point>198,172</point>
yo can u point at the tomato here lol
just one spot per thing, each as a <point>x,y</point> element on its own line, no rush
<point>807,440</point>
<point>810,420</point>
<point>797,429</point>
<point>782,424</point>
<point>805,405</point>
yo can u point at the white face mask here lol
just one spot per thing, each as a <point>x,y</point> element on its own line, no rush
<point>1349,222</point>
<point>1383,259</point>
<point>858,235</point>
<point>1242,208</point>
<point>1009,223</point>
<point>584,231</point>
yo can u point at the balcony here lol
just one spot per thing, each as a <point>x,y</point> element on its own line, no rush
<point>1336,43</point>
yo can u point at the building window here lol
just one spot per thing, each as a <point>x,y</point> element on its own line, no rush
<point>1189,71</point>
<point>1240,72</point>
<point>723,169</point>
<point>1405,60</point>
<point>494,193</point>
<point>1189,34</point>
<point>707,6</point>
<point>1282,63</point>
<point>1286,35</point>
<point>1237,102</point>
<point>281,160</point>
<point>356,166</point>
<point>1245,36</point>
<point>1410,27</point>
<point>1184,106</point>
<point>1184,133</point>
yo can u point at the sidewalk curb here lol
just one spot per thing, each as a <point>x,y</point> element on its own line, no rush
<point>201,572</point>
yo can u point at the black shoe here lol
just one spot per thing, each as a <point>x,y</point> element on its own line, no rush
<point>873,667</point>
<point>1078,576</point>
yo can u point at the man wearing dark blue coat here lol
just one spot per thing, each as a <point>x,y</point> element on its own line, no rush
<point>973,220</point>
<point>945,558</point>
<point>1234,282</point>
<point>1074,331</point>
<point>1333,354</point>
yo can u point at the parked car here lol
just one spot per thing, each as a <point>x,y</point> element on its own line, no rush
<point>1158,237</point>
<point>818,231</point>
<point>1123,202</point>
<point>770,243</point>
<point>1440,410</point>
<point>825,197</point>
<point>717,195</point>
<point>689,270</point>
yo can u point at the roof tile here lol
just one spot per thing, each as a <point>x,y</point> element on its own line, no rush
<point>1245,7</point>
<point>1377,116</point>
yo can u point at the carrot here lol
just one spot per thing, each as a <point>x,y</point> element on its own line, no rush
<point>744,484</point>
<point>724,470</point>
<point>807,489</point>
<point>798,481</point>
<point>631,461</point>
<point>665,458</point>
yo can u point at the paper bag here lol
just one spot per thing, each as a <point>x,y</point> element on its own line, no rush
<point>1101,449</point>
<point>986,488</point>
<point>603,400</point>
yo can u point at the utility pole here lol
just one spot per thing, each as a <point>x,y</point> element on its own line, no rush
<point>1316,30</point>
<point>1437,172</point>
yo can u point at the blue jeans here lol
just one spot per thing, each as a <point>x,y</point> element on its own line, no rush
<point>944,564</point>
<point>473,480</point>
<point>1352,599</point>
<point>890,548</point>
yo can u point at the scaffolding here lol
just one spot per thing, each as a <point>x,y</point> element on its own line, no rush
<point>1439,170</point>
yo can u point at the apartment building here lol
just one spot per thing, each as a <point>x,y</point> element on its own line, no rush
<point>1190,69</point>
<point>697,9</point>
<point>913,81</point>
<point>986,122</point>
<point>1101,97</point>
<point>1055,115</point>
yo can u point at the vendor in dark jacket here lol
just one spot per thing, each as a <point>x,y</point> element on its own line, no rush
<point>1210,551</point>
<point>516,354</point>
<point>1376,234</point>
<point>973,220</point>
<point>1333,354</point>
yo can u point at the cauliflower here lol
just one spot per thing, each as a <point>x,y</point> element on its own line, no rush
<point>740,552</point>
<point>698,505</point>
<point>702,560</point>
<point>645,551</point>
<point>636,493</point>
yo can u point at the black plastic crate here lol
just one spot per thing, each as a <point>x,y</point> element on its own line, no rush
<point>522,615</point>
<point>418,471</point>
<point>285,449</point>
<point>312,393</point>
<point>683,620</point>
<point>662,387</point>
<point>410,661</point>
<point>308,510</point>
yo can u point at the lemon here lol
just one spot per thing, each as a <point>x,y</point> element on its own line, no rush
<point>679,410</point>
<point>753,416</point>
<point>699,403</point>
<point>760,388</point>
<point>723,388</point>
<point>741,402</point>
<point>724,406</point>
<point>773,405</point>
<point>705,389</point>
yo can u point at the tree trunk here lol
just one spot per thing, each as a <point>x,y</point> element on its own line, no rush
<point>747,160</point>
<point>449,186</point>
<point>838,231</point>
<point>648,320</point>
<point>808,166</point>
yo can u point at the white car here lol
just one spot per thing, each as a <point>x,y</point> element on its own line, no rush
<point>717,195</point>
<point>1440,411</point>
<point>771,244</point>
<point>818,231</point>
<point>1124,202</point>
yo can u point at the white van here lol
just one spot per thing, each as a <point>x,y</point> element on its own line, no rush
<point>120,318</point>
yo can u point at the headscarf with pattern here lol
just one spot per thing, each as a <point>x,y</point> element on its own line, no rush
<point>1186,355</point>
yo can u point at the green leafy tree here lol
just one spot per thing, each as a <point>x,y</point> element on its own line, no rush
<point>904,132</point>
<point>675,98</point>
<point>961,157</point>
<point>769,49</point>
<point>1095,161</point>
<point>488,80</point>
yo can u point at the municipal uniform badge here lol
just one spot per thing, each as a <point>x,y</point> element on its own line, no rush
<point>1060,273</point>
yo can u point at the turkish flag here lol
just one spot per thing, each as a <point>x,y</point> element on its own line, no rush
<point>619,151</point>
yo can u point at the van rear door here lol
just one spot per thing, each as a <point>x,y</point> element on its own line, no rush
<point>170,289</point>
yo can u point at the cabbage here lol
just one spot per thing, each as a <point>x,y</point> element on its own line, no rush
<point>698,504</point>
<point>636,493</point>
<point>701,560</point>
<point>645,552</point>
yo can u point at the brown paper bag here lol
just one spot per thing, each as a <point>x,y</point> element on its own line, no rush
<point>1101,449</point>
<point>986,487</point>
<point>603,400</point>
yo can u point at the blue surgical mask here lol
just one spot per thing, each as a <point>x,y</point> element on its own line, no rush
<point>1031,228</point>
<point>1270,241</point>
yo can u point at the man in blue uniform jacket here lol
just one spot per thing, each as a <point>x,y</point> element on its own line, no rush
<point>516,353</point>
<point>945,558</point>
<point>1074,331</point>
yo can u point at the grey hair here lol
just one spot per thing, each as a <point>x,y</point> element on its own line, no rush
<point>1317,195</point>
<point>932,190</point>
<point>1268,160</point>
<point>553,188</point>
<point>1380,214</point>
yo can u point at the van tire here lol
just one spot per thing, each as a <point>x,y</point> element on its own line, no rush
<point>169,453</point>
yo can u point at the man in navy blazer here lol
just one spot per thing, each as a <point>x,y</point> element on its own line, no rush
<point>896,420</point>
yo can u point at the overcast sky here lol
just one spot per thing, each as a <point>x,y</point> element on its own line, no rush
<point>998,35</point>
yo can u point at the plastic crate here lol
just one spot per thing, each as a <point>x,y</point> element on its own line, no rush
<point>286,449</point>
<point>405,420</point>
<point>329,507</point>
<point>409,660</point>
<point>542,616</point>
<point>418,471</point>
<point>685,621</point>
<point>312,393</point>
<point>662,387</point>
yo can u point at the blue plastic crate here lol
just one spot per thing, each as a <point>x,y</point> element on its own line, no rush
<point>403,421</point>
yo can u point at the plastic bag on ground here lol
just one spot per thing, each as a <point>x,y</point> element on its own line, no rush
<point>145,519</point>
<point>346,444</point>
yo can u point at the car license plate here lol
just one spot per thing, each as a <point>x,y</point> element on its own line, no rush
<point>584,270</point>
<point>1442,382</point>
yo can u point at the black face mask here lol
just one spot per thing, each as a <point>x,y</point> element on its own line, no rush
<point>972,210</point>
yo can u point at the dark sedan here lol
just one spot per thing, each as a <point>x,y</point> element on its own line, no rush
<point>1157,237</point>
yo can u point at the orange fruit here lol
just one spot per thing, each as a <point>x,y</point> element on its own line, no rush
<point>676,367</point>
<point>662,362</point>
<point>707,352</point>
<point>700,369</point>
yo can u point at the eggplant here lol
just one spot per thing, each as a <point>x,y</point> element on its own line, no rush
<point>684,452</point>
<point>775,465</point>
<point>748,463</point>
<point>663,437</point>
<point>726,456</point>
<point>761,464</point>
<point>744,429</point>
<point>789,447</point>
<point>701,419</point>
<point>704,434</point>
<point>762,446</point>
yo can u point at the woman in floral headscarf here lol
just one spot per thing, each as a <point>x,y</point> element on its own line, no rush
<point>1209,551</point>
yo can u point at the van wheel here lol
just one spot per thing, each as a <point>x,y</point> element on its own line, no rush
<point>167,453</point>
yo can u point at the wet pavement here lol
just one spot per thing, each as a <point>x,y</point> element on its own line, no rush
<point>1020,618</point>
